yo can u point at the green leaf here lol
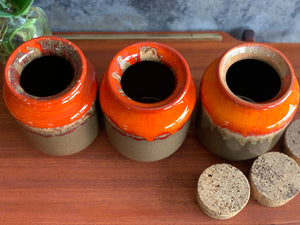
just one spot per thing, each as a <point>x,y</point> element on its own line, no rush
<point>13,8</point>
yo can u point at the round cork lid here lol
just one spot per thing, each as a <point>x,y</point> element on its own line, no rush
<point>223,191</point>
<point>274,179</point>
<point>292,140</point>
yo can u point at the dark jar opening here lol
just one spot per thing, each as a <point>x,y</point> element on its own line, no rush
<point>46,76</point>
<point>148,82</point>
<point>253,80</point>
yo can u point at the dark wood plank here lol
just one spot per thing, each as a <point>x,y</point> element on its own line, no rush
<point>99,186</point>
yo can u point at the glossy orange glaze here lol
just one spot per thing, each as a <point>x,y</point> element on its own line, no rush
<point>54,111</point>
<point>248,119</point>
<point>154,120</point>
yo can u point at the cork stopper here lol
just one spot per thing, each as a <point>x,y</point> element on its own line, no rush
<point>274,179</point>
<point>292,140</point>
<point>223,191</point>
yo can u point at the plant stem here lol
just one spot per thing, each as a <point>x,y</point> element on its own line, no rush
<point>28,23</point>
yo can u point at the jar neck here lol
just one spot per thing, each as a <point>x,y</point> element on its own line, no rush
<point>263,54</point>
<point>148,52</point>
<point>58,109</point>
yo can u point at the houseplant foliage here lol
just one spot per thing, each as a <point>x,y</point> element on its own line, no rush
<point>19,22</point>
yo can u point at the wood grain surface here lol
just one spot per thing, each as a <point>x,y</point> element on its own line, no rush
<point>100,186</point>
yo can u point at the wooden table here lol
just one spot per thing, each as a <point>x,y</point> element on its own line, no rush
<point>100,186</point>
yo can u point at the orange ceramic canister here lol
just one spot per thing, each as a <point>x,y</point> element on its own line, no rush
<point>248,97</point>
<point>147,95</point>
<point>50,88</point>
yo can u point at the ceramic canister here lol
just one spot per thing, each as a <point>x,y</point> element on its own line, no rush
<point>64,122</point>
<point>233,126</point>
<point>147,131</point>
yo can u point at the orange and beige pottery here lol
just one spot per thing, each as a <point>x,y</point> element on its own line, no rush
<point>50,88</point>
<point>147,95</point>
<point>248,97</point>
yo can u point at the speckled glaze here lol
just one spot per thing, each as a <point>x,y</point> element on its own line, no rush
<point>147,128</point>
<point>236,129</point>
<point>60,124</point>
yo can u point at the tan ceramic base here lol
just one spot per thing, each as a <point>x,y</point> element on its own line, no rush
<point>66,144</point>
<point>231,147</point>
<point>143,150</point>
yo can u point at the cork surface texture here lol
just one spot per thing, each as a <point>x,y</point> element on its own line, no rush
<point>274,179</point>
<point>223,191</point>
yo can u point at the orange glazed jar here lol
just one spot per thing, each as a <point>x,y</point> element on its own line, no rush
<point>50,89</point>
<point>147,95</point>
<point>248,97</point>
